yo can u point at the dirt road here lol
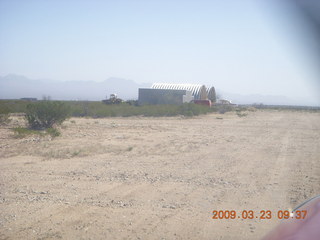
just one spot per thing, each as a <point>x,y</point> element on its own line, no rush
<point>158,178</point>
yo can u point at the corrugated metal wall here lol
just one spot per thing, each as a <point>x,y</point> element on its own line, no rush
<point>163,96</point>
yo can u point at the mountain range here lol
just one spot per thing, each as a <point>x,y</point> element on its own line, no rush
<point>16,86</point>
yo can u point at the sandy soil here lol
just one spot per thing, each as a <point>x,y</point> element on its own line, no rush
<point>157,178</point>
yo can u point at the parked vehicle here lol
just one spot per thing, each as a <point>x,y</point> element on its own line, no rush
<point>113,99</point>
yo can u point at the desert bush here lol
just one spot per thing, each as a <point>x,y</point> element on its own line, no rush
<point>190,109</point>
<point>20,132</point>
<point>132,102</point>
<point>53,132</point>
<point>45,114</point>
<point>240,111</point>
<point>252,109</point>
<point>240,114</point>
<point>12,106</point>
<point>4,115</point>
<point>99,109</point>
<point>223,108</point>
<point>4,119</point>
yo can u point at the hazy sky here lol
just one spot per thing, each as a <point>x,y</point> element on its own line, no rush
<point>246,47</point>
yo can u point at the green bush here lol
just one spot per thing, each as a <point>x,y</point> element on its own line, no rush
<point>45,114</point>
<point>4,119</point>
<point>20,132</point>
<point>53,132</point>
<point>222,109</point>
<point>100,110</point>
<point>4,115</point>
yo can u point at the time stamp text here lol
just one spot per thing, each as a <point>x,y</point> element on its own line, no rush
<point>262,214</point>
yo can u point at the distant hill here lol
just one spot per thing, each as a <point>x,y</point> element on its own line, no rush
<point>259,98</point>
<point>15,87</point>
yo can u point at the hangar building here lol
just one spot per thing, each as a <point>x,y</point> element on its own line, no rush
<point>170,93</point>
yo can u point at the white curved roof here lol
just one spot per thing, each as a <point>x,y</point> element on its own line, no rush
<point>211,93</point>
<point>197,90</point>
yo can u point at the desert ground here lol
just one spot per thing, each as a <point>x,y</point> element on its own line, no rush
<point>157,178</point>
